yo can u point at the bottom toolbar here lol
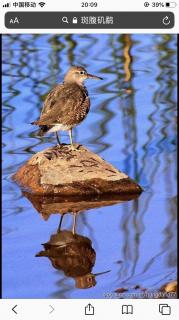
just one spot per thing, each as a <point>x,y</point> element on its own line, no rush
<point>89,309</point>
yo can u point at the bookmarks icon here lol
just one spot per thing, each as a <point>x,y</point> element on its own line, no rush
<point>127,309</point>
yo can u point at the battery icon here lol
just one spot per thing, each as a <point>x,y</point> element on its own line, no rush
<point>170,4</point>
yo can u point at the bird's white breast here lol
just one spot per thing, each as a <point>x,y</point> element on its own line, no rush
<point>58,127</point>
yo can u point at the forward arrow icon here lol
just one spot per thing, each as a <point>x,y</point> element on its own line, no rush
<point>51,309</point>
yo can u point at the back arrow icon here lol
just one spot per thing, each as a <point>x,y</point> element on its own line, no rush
<point>13,309</point>
<point>52,309</point>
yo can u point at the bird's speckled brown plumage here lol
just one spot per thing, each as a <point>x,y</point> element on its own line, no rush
<point>67,104</point>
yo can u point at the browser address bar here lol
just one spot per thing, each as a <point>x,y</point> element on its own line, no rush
<point>89,20</point>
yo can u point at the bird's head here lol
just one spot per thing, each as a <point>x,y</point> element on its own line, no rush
<point>79,75</point>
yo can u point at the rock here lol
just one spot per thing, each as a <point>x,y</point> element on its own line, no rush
<point>169,287</point>
<point>62,171</point>
<point>121,290</point>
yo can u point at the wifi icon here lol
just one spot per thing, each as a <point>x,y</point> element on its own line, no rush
<point>41,4</point>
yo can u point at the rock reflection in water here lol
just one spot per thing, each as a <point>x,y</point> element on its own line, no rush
<point>47,205</point>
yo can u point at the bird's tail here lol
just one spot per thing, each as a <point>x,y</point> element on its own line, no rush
<point>43,129</point>
<point>36,123</point>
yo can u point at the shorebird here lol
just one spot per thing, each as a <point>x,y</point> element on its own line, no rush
<point>67,104</point>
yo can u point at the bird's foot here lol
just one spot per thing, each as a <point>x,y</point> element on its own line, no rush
<point>75,147</point>
<point>59,145</point>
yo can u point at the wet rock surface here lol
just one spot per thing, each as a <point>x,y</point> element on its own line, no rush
<point>63,171</point>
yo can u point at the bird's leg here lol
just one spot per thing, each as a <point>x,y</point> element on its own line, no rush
<point>58,139</point>
<point>71,139</point>
<point>74,222</point>
<point>60,224</point>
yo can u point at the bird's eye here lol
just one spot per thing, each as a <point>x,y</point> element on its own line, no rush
<point>82,72</point>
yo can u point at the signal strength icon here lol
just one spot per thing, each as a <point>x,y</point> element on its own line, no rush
<point>7,5</point>
<point>41,4</point>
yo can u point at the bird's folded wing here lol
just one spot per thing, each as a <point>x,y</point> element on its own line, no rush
<point>63,102</point>
<point>52,98</point>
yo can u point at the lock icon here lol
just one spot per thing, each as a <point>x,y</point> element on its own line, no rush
<point>75,20</point>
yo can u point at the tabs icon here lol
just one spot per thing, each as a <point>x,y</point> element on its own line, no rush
<point>164,309</point>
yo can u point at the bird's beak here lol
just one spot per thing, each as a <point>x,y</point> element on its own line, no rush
<point>91,76</point>
<point>100,273</point>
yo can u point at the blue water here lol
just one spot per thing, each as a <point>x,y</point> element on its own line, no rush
<point>131,124</point>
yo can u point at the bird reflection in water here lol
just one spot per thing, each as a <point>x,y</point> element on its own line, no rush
<point>72,253</point>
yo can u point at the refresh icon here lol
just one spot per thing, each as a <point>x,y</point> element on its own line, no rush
<point>166,21</point>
